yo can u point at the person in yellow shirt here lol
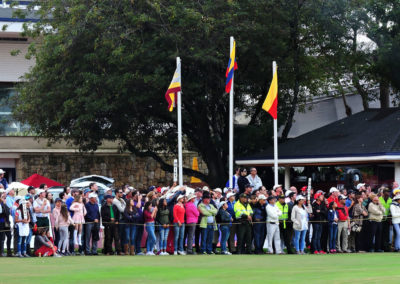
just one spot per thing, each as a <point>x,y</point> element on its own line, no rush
<point>243,214</point>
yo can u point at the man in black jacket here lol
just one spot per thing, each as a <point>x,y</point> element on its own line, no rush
<point>4,225</point>
<point>320,213</point>
<point>110,217</point>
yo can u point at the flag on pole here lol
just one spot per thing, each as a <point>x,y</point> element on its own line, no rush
<point>173,89</point>
<point>270,104</point>
<point>195,167</point>
<point>232,66</point>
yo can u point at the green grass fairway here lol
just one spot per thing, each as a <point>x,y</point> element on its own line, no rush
<point>349,268</point>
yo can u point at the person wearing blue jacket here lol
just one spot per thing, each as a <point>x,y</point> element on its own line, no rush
<point>333,219</point>
<point>233,229</point>
<point>92,226</point>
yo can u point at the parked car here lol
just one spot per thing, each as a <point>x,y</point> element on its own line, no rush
<point>56,190</point>
<point>94,178</point>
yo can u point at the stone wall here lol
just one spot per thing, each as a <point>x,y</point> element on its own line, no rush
<point>124,168</point>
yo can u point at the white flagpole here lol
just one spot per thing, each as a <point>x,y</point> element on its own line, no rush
<point>231,125</point>
<point>179,106</point>
<point>275,136</point>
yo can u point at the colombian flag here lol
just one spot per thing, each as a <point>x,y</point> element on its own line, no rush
<point>173,89</point>
<point>270,104</point>
<point>232,66</point>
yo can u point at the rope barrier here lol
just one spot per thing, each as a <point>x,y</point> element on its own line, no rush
<point>172,225</point>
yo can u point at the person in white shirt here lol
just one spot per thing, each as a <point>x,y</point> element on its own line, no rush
<point>42,209</point>
<point>273,233</point>
<point>254,179</point>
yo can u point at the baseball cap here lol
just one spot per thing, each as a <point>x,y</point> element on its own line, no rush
<point>86,190</point>
<point>281,196</point>
<point>218,190</point>
<point>342,197</point>
<point>108,196</point>
<point>229,195</point>
<point>271,198</point>
<point>244,195</point>
<point>93,195</point>
<point>276,186</point>
<point>222,204</point>
<point>58,199</point>
<point>360,185</point>
<point>333,189</point>
<point>304,188</point>
<point>262,197</point>
<point>300,197</point>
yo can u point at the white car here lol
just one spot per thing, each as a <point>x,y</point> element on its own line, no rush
<point>93,178</point>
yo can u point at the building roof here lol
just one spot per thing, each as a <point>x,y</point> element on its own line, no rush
<point>371,135</point>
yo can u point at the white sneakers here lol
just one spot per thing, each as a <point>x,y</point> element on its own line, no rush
<point>150,253</point>
<point>181,253</point>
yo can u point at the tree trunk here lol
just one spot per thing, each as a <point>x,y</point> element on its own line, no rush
<point>296,67</point>
<point>384,93</point>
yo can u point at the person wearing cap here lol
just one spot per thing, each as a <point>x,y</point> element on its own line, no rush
<point>120,203</point>
<point>343,225</point>
<point>42,209</point>
<point>242,180</point>
<point>3,180</point>
<point>334,195</point>
<point>259,218</point>
<point>92,224</point>
<point>10,199</point>
<point>395,212</point>
<point>192,218</point>
<point>207,223</point>
<point>285,227</point>
<point>376,213</point>
<point>230,197</point>
<point>225,220</point>
<point>254,179</point>
<point>320,216</point>
<point>243,214</point>
<point>31,191</point>
<point>299,218</point>
<point>109,215</point>
<point>179,225</point>
<point>385,200</point>
<point>273,234</point>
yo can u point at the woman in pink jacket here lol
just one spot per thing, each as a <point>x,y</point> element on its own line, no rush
<point>192,216</point>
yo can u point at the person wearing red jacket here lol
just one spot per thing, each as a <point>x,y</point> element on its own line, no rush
<point>343,225</point>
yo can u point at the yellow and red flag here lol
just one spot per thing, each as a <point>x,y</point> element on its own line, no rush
<point>173,89</point>
<point>232,66</point>
<point>270,104</point>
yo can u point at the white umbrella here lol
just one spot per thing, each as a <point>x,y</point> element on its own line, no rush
<point>19,188</point>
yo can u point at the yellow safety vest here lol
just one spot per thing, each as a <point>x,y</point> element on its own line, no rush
<point>285,213</point>
<point>240,209</point>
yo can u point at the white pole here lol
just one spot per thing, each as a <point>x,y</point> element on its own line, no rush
<point>175,170</point>
<point>231,125</point>
<point>275,136</point>
<point>178,64</point>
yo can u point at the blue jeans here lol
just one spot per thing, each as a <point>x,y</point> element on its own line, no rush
<point>179,233</point>
<point>299,240</point>
<point>22,245</point>
<point>396,227</point>
<point>138,238</point>
<point>130,232</point>
<point>207,238</point>
<point>225,229</point>
<point>163,237</point>
<point>151,236</point>
<point>333,228</point>
<point>317,232</point>
<point>259,236</point>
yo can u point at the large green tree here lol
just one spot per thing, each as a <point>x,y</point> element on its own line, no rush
<point>103,66</point>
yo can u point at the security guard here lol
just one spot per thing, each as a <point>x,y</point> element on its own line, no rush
<point>285,226</point>
<point>243,213</point>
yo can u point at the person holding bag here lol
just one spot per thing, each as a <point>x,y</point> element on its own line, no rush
<point>356,225</point>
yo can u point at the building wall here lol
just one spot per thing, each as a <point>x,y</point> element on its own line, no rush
<point>124,168</point>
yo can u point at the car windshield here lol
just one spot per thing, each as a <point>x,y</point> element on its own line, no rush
<point>94,179</point>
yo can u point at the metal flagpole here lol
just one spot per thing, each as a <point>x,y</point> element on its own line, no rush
<point>179,106</point>
<point>275,136</point>
<point>231,124</point>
